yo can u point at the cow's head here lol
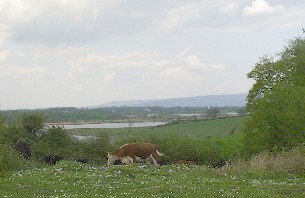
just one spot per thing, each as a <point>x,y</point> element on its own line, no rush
<point>112,158</point>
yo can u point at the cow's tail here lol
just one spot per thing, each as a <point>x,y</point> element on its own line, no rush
<point>160,154</point>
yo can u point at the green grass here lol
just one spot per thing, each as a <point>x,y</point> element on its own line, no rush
<point>193,129</point>
<point>71,179</point>
<point>264,175</point>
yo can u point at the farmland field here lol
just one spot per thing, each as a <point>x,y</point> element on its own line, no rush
<point>72,179</point>
<point>193,129</point>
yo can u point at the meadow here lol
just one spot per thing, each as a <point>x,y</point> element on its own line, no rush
<point>72,179</point>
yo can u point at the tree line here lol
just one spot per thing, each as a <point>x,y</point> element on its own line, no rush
<point>72,114</point>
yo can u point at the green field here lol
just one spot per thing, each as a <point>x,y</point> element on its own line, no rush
<point>193,129</point>
<point>72,179</point>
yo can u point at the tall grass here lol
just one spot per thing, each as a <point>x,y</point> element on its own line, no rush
<point>291,162</point>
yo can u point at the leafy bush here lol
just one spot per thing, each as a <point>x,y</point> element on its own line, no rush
<point>11,160</point>
<point>206,151</point>
<point>33,123</point>
<point>55,141</point>
<point>12,134</point>
<point>280,122</point>
<point>96,149</point>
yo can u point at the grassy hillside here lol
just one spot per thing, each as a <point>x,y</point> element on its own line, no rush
<point>71,179</point>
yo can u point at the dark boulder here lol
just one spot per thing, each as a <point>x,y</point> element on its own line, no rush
<point>23,148</point>
<point>219,163</point>
<point>52,159</point>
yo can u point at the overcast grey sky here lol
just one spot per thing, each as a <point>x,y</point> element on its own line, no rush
<point>56,53</point>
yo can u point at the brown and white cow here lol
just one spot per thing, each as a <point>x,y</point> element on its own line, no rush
<point>130,153</point>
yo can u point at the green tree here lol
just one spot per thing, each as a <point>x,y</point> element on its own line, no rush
<point>11,133</point>
<point>1,128</point>
<point>33,123</point>
<point>1,120</point>
<point>55,141</point>
<point>276,101</point>
<point>213,112</point>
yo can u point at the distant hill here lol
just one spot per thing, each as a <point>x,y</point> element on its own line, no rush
<point>197,101</point>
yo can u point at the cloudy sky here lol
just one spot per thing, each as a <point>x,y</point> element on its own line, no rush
<point>56,53</point>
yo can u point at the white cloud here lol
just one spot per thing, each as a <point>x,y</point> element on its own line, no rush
<point>259,7</point>
<point>219,67</point>
<point>290,18</point>
<point>21,11</point>
<point>4,33</point>
<point>128,68</point>
<point>193,62</point>
<point>181,15</point>
<point>54,21</point>
<point>138,60</point>
<point>4,55</point>
<point>122,59</point>
<point>198,14</point>
<point>109,76</point>
<point>229,8</point>
<point>183,53</point>
<point>24,72</point>
<point>20,54</point>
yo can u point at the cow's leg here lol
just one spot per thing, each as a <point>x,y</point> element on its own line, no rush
<point>130,159</point>
<point>141,160</point>
<point>148,160</point>
<point>153,160</point>
<point>126,160</point>
<point>154,157</point>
